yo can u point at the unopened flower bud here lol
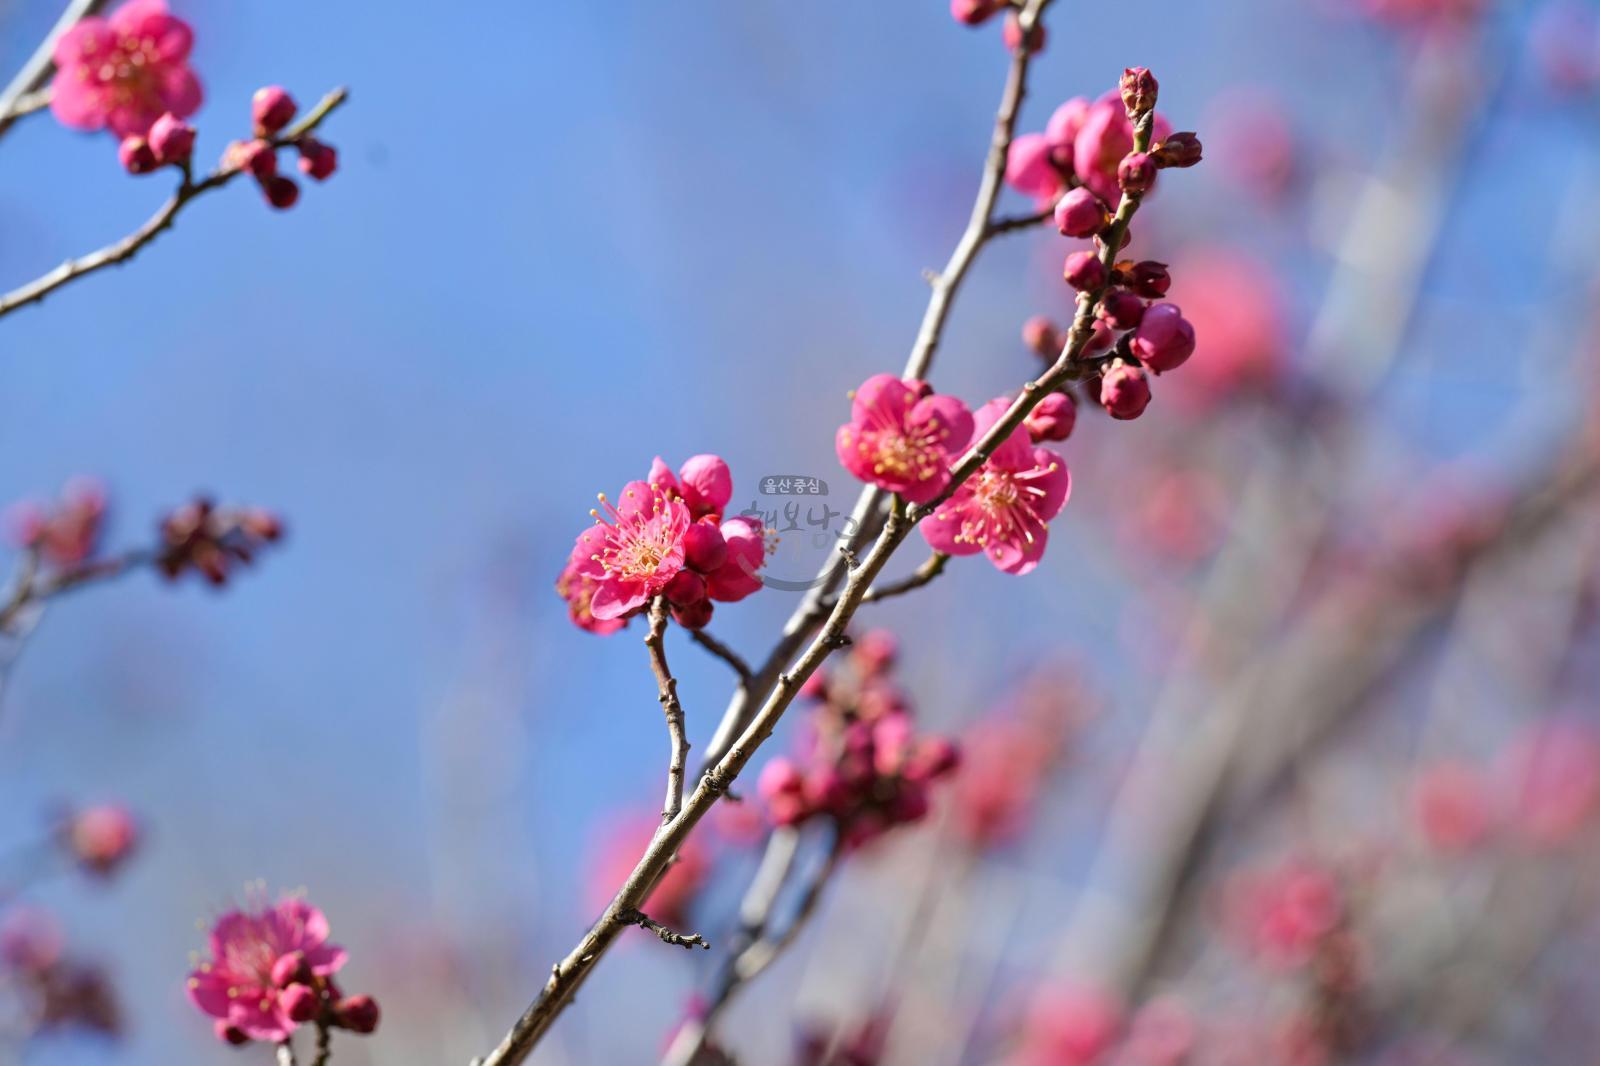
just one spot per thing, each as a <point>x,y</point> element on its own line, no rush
<point>101,838</point>
<point>1179,150</point>
<point>1124,391</point>
<point>281,192</point>
<point>272,108</point>
<point>1146,278</point>
<point>1139,90</point>
<point>704,547</point>
<point>1164,340</point>
<point>1084,271</point>
<point>359,1014</point>
<point>1136,174</point>
<point>136,155</point>
<point>694,616</point>
<point>974,12</point>
<point>300,1002</point>
<point>317,160</point>
<point>172,139</point>
<point>686,589</point>
<point>934,757</point>
<point>1012,34</point>
<point>1080,214</point>
<point>1043,337</point>
<point>1121,309</point>
<point>258,157</point>
<point>1053,418</point>
<point>1101,338</point>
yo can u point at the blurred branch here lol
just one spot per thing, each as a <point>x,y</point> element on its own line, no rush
<point>756,947</point>
<point>723,652</point>
<point>22,95</point>
<point>188,190</point>
<point>285,1053</point>
<point>667,685</point>
<point>1011,224</point>
<point>29,589</point>
<point>1154,838</point>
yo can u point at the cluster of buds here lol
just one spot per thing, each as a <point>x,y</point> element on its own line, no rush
<point>863,766</point>
<point>213,540</point>
<point>272,109</point>
<point>977,12</point>
<point>1085,163</point>
<point>272,971</point>
<point>56,993</point>
<point>666,536</point>
<point>100,839</point>
<point>64,533</point>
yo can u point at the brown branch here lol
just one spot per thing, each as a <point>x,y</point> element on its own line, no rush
<point>129,246</point>
<point>689,941</point>
<point>1002,226</point>
<point>723,652</point>
<point>35,74</point>
<point>285,1053</point>
<point>324,1044</point>
<point>655,641</point>
<point>922,575</point>
<point>867,516</point>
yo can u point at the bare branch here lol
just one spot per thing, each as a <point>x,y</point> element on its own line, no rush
<point>932,568</point>
<point>125,249</point>
<point>723,652</point>
<point>689,941</point>
<point>655,641</point>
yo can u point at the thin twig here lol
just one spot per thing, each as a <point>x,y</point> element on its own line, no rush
<point>324,1044</point>
<point>36,72</point>
<point>723,652</point>
<point>30,590</point>
<point>285,1053</point>
<point>922,575</point>
<point>667,685</point>
<point>689,941</point>
<point>129,246</point>
<point>1013,223</point>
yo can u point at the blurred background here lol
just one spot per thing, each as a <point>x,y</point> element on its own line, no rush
<point>1312,653</point>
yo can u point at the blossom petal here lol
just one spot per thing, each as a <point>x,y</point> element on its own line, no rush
<point>76,101</point>
<point>1056,481</point>
<point>949,416</point>
<point>83,44</point>
<point>613,599</point>
<point>209,992</point>
<point>941,529</point>
<point>882,399</point>
<point>180,92</point>
<point>707,483</point>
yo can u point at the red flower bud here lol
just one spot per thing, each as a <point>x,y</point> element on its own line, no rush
<point>1084,271</point>
<point>1080,214</point>
<point>172,139</point>
<point>1124,391</point>
<point>1178,150</point>
<point>1043,337</point>
<point>1136,174</point>
<point>136,155</point>
<point>299,1002</point>
<point>1121,309</point>
<point>281,192</point>
<point>1139,90</point>
<point>317,160</point>
<point>359,1014</point>
<point>272,108</point>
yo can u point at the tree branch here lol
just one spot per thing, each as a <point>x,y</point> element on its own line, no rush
<point>125,249</point>
<point>29,589</point>
<point>689,941</point>
<point>723,652</point>
<point>932,568</point>
<point>667,685</point>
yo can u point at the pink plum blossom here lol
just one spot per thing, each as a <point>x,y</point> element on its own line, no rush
<point>101,838</point>
<point>703,482</point>
<point>1453,806</point>
<point>1553,772</point>
<point>737,577</point>
<point>578,590</point>
<point>1068,1025</point>
<point>243,984</point>
<point>1003,509</point>
<point>1031,170</point>
<point>123,72</point>
<point>1284,912</point>
<point>902,440</point>
<point>1103,139</point>
<point>632,551</point>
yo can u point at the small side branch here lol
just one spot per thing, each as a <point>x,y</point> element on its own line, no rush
<point>29,589</point>
<point>667,686</point>
<point>688,941</point>
<point>932,568</point>
<point>734,660</point>
<point>1014,223</point>
<point>158,223</point>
